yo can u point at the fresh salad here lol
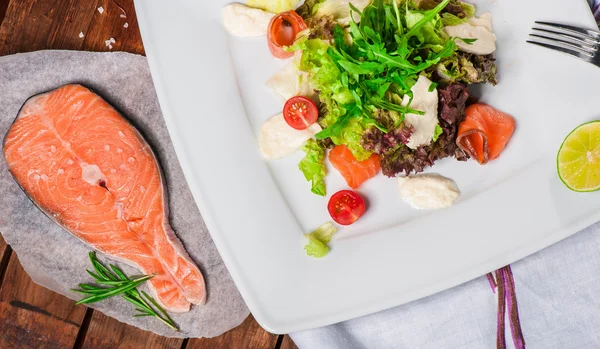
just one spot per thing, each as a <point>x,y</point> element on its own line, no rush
<point>377,86</point>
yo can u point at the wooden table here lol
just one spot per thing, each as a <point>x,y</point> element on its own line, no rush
<point>30,315</point>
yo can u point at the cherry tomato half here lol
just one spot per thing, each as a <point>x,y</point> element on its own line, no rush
<point>346,207</point>
<point>300,112</point>
<point>282,32</point>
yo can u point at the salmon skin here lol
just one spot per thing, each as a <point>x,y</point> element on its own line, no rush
<point>92,172</point>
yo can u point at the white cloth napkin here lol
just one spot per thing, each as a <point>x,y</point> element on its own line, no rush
<point>558,293</point>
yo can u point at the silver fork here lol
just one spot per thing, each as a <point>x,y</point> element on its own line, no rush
<point>579,42</point>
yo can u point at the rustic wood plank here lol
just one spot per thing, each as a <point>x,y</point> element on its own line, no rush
<point>32,25</point>
<point>287,343</point>
<point>27,25</point>
<point>4,257</point>
<point>3,247</point>
<point>107,333</point>
<point>110,24</point>
<point>248,335</point>
<point>3,7</point>
<point>34,317</point>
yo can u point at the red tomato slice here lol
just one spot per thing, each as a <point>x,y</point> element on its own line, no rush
<point>346,207</point>
<point>282,32</point>
<point>300,112</point>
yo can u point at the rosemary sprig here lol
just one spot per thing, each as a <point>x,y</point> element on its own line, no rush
<point>119,284</point>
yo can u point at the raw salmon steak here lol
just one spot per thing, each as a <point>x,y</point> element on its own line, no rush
<point>85,166</point>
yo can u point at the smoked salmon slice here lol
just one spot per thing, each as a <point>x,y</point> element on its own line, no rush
<point>89,170</point>
<point>484,132</point>
<point>354,172</point>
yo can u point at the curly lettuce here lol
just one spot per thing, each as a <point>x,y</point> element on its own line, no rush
<point>275,6</point>
<point>468,68</point>
<point>313,166</point>
<point>309,8</point>
<point>317,240</point>
<point>351,137</point>
<point>324,75</point>
<point>458,12</point>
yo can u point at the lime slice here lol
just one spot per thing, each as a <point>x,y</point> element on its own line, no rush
<point>578,159</point>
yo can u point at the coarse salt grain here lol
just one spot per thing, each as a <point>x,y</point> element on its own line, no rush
<point>126,25</point>
<point>107,147</point>
<point>81,35</point>
<point>101,9</point>
<point>109,43</point>
<point>123,15</point>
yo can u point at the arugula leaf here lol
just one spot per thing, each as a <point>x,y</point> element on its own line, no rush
<point>334,129</point>
<point>389,48</point>
<point>429,15</point>
<point>351,135</point>
<point>432,87</point>
<point>313,167</point>
<point>340,123</point>
<point>467,40</point>
<point>437,133</point>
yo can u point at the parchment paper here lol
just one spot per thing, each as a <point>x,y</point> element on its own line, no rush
<point>52,256</point>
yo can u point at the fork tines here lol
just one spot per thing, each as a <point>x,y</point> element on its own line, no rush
<point>575,41</point>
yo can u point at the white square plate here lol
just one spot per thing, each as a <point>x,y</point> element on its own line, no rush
<point>211,89</point>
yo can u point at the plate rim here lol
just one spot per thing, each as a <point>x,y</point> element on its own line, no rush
<point>262,318</point>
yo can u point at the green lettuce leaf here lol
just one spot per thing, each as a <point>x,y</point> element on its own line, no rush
<point>318,240</point>
<point>429,33</point>
<point>468,68</point>
<point>313,166</point>
<point>324,73</point>
<point>451,19</point>
<point>469,9</point>
<point>275,6</point>
<point>309,8</point>
<point>340,10</point>
<point>355,79</point>
<point>351,135</point>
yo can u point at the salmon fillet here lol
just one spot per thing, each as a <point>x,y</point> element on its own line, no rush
<point>354,172</point>
<point>485,132</point>
<point>86,167</point>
